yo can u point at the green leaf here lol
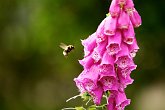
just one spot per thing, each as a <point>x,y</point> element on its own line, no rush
<point>107,93</point>
<point>107,14</point>
<point>80,108</point>
<point>86,96</point>
<point>92,107</point>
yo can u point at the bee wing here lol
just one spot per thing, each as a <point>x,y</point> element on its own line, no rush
<point>65,54</point>
<point>63,46</point>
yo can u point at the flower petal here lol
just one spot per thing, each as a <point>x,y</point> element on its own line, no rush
<point>97,95</point>
<point>100,32</point>
<point>107,59</point>
<point>129,34</point>
<point>133,48</point>
<point>87,62</point>
<point>124,76</point>
<point>123,20</point>
<point>129,5</point>
<point>110,26</point>
<point>114,42</point>
<point>135,18</point>
<point>89,44</point>
<point>114,9</point>
<point>109,80</point>
<point>111,103</point>
<point>121,101</point>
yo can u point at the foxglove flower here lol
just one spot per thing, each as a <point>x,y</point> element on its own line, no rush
<point>124,76</point>
<point>110,26</point>
<point>111,102</point>
<point>121,100</point>
<point>100,48</point>
<point>135,18</point>
<point>100,32</point>
<point>89,44</point>
<point>129,34</point>
<point>114,9</point>
<point>97,94</point>
<point>114,42</point>
<point>129,5</point>
<point>87,62</point>
<point>123,20</point>
<point>108,61</point>
<point>123,58</point>
<point>133,48</point>
<point>117,101</point>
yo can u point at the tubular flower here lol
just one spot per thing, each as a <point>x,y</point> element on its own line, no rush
<point>109,52</point>
<point>110,25</point>
<point>114,42</point>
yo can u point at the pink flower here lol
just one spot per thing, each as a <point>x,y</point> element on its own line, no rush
<point>110,25</point>
<point>79,81</point>
<point>101,47</point>
<point>108,77</point>
<point>123,58</point>
<point>97,94</point>
<point>114,42</point>
<point>129,5</point>
<point>90,80</point>
<point>89,44</point>
<point>121,2</point>
<point>109,52</point>
<point>96,56</point>
<point>135,18</point>
<point>106,69</point>
<point>121,100</point>
<point>117,101</point>
<point>109,82</point>
<point>129,34</point>
<point>87,62</point>
<point>123,20</point>
<point>87,80</point>
<point>107,59</point>
<point>114,9</point>
<point>133,48</point>
<point>100,32</point>
<point>111,102</point>
<point>123,62</point>
<point>79,85</point>
<point>124,76</point>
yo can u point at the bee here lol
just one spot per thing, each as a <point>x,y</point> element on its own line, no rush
<point>67,48</point>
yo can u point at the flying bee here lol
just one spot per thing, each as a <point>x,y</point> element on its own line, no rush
<point>67,48</point>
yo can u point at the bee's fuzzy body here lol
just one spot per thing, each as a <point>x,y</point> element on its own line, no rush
<point>67,48</point>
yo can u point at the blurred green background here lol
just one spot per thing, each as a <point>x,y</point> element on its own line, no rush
<point>34,75</point>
